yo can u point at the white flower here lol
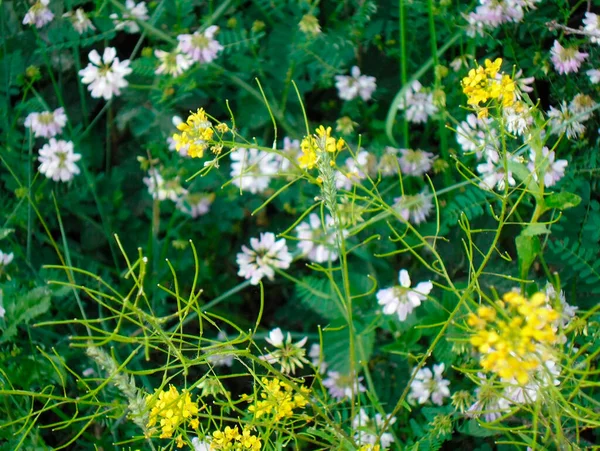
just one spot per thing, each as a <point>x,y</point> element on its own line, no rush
<point>317,242</point>
<point>402,300</point>
<point>201,47</point>
<point>565,121</point>
<point>315,357</point>
<point>594,75</point>
<point>134,12</point>
<point>418,103</point>
<point>58,160</point>
<point>493,176</point>
<point>478,135</point>
<point>252,169</point>
<point>80,21</point>
<point>287,354</point>
<point>592,26</point>
<point>566,60</point>
<point>5,259</point>
<point>173,63</point>
<point>195,204</point>
<point>523,83</point>
<point>200,445</point>
<point>356,169</point>
<point>221,356</point>
<point>415,162</point>
<point>105,76</point>
<point>264,254</point>
<point>551,170</point>
<point>517,118</point>
<point>39,14</point>
<point>47,124</point>
<point>162,189</point>
<point>582,105</point>
<point>343,386</point>
<point>427,385</point>
<point>490,14</point>
<point>350,87</point>
<point>370,431</point>
<point>414,208</point>
<point>389,162</point>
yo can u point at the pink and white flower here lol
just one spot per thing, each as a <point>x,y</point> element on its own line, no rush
<point>39,14</point>
<point>354,85</point>
<point>105,76</point>
<point>46,124</point>
<point>566,59</point>
<point>428,385</point>
<point>80,20</point>
<point>134,12</point>
<point>263,255</point>
<point>402,299</point>
<point>201,47</point>
<point>58,161</point>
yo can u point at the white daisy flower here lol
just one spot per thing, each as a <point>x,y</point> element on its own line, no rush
<point>402,300</point>
<point>415,162</point>
<point>58,160</point>
<point>354,85</point>
<point>105,76</point>
<point>264,254</point>
<point>162,189</point>
<point>252,169</point>
<point>80,21</point>
<point>46,124</point>
<point>195,204</point>
<point>551,170</point>
<point>172,63</point>
<point>128,19</point>
<point>429,385</point>
<point>565,121</point>
<point>342,386</point>
<point>317,242</point>
<point>594,75</point>
<point>287,354</point>
<point>414,208</point>
<point>418,103</point>
<point>201,47</point>
<point>566,60</point>
<point>39,14</point>
<point>369,431</point>
<point>221,356</point>
<point>591,23</point>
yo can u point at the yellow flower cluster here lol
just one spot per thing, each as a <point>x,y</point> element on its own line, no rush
<point>313,145</point>
<point>231,439</point>
<point>514,346</point>
<point>486,83</point>
<point>196,132</point>
<point>277,398</point>
<point>171,410</point>
<point>369,447</point>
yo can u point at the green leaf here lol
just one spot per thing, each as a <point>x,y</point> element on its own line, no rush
<point>535,229</point>
<point>562,200</point>
<point>527,249</point>
<point>473,429</point>
<point>22,309</point>
<point>314,293</point>
<point>336,348</point>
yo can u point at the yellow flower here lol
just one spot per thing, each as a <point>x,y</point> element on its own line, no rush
<point>314,145</point>
<point>171,410</point>
<point>277,399</point>
<point>196,132</point>
<point>483,84</point>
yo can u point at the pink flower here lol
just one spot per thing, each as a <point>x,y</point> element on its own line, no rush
<point>566,60</point>
<point>201,47</point>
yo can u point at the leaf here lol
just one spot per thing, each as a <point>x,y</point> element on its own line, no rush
<point>314,293</point>
<point>535,229</point>
<point>22,309</point>
<point>562,200</point>
<point>473,429</point>
<point>527,249</point>
<point>336,347</point>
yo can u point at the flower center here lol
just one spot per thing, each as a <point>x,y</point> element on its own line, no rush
<point>46,118</point>
<point>200,41</point>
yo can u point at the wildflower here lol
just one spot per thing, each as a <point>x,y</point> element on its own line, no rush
<point>46,124</point>
<point>490,14</point>
<point>350,87</point>
<point>523,83</point>
<point>401,299</point>
<point>345,125</point>
<point>291,152</point>
<point>489,403</point>
<point>485,83</point>
<point>221,356</point>
<point>369,431</point>
<point>317,241</point>
<point>315,355</point>
<point>418,103</point>
<point>39,14</point>
<point>5,259</point>
<point>415,162</point>
<point>105,76</point>
<point>517,118</point>
<point>200,445</point>
<point>128,20</point>
<point>252,169</point>
<point>80,20</point>
<point>564,120</point>
<point>173,63</point>
<point>594,75</point>
<point>541,379</point>
<point>309,24</point>
<point>515,346</point>
<point>162,189</point>
<point>414,208</point>
<point>591,23</point>
<point>389,163</point>
<point>287,354</point>
<point>582,105</point>
<point>355,169</point>
<point>461,400</point>
<point>58,161</point>
<point>478,135</point>
<point>195,204</point>
<point>551,171</point>
<point>342,386</point>
<point>170,410</point>
<point>196,132</point>
<point>566,60</point>
<point>567,312</point>
<point>494,175</point>
<point>201,46</point>
<point>263,255</point>
<point>277,399</point>
<point>426,385</point>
